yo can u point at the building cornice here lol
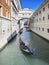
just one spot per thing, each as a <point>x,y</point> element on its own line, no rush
<point>42,5</point>
<point>20,3</point>
<point>5,18</point>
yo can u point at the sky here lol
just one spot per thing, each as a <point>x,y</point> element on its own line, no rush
<point>31,4</point>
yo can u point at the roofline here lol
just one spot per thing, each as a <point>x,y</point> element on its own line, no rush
<point>42,5</point>
<point>20,3</point>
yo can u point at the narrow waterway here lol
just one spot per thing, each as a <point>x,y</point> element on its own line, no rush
<point>12,54</point>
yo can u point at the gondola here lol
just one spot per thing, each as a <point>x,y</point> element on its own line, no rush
<point>25,48</point>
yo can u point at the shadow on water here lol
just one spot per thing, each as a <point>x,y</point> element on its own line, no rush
<point>33,59</point>
<point>10,41</point>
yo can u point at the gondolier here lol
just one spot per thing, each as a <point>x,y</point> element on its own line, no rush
<point>25,48</point>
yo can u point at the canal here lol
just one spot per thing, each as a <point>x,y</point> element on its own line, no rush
<point>12,54</point>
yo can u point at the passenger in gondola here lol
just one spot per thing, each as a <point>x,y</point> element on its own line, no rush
<point>22,43</point>
<point>24,46</point>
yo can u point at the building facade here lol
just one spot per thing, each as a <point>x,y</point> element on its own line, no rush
<point>5,17</point>
<point>5,8</point>
<point>9,10</point>
<point>16,6</point>
<point>40,20</point>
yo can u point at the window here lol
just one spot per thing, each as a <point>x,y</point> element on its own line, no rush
<point>48,16</point>
<point>36,28</point>
<point>48,5</point>
<point>0,10</point>
<point>39,12</point>
<point>48,30</point>
<point>39,19</point>
<point>29,13</point>
<point>3,30</point>
<point>43,18</point>
<point>7,14</point>
<point>22,14</point>
<point>39,28</point>
<point>44,9</point>
<point>42,29</point>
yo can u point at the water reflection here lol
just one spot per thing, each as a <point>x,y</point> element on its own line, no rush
<point>41,46</point>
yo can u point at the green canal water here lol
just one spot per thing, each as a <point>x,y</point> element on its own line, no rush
<point>12,54</point>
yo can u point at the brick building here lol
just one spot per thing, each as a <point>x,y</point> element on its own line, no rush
<point>5,8</point>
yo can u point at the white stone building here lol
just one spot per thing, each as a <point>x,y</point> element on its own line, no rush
<point>16,6</point>
<point>5,18</point>
<point>40,20</point>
